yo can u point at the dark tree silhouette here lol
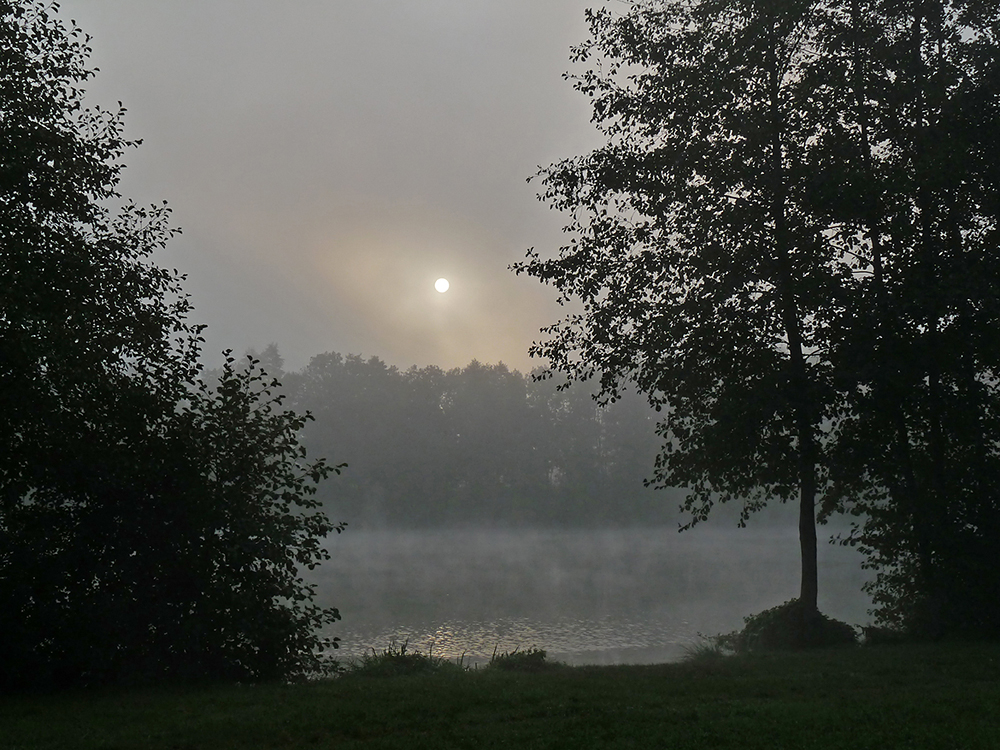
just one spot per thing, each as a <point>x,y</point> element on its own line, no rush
<point>151,527</point>
<point>911,181</point>
<point>789,244</point>
<point>703,278</point>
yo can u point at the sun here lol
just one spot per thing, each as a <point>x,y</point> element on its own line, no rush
<point>442,285</point>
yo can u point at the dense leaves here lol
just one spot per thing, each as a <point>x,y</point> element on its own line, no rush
<point>151,527</point>
<point>240,521</point>
<point>788,626</point>
<point>789,243</point>
<point>704,279</point>
<point>918,435</point>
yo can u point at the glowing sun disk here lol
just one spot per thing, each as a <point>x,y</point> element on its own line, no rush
<point>442,285</point>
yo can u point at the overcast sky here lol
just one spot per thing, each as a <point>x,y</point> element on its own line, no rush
<point>328,160</point>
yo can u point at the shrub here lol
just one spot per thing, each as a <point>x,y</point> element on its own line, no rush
<point>707,649</point>
<point>532,660</point>
<point>788,626</point>
<point>395,662</point>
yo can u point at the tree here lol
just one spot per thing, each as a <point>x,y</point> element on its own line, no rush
<point>480,444</point>
<point>150,526</point>
<point>237,522</point>
<point>704,277</point>
<point>789,243</point>
<point>82,316</point>
<point>917,448</point>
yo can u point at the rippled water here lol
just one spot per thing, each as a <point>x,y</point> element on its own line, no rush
<point>606,596</point>
<point>605,641</point>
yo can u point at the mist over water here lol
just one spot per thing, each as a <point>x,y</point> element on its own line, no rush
<point>585,596</point>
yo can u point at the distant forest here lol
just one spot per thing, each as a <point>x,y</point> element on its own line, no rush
<point>477,445</point>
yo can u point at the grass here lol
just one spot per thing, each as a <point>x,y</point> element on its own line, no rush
<point>706,649</point>
<point>531,660</point>
<point>910,696</point>
<point>397,661</point>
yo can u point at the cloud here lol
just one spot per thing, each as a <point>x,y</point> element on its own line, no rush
<point>326,159</point>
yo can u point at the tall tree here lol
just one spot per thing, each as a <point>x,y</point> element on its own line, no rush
<point>922,85</point>
<point>790,244</point>
<point>704,278</point>
<point>81,315</point>
<point>150,527</point>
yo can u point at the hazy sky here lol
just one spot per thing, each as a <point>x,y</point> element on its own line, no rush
<point>329,159</point>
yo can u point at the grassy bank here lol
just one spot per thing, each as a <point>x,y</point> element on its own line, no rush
<point>934,696</point>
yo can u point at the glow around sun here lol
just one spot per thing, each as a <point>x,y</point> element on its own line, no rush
<point>442,285</point>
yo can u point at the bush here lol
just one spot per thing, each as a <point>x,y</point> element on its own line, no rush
<point>532,660</point>
<point>707,649</point>
<point>396,662</point>
<point>788,626</point>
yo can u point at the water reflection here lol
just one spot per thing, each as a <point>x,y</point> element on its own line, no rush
<point>606,596</point>
<point>575,641</point>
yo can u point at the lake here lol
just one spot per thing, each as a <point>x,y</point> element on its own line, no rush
<point>585,596</point>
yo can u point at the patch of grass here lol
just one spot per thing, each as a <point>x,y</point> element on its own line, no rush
<point>396,661</point>
<point>707,649</point>
<point>531,660</point>
<point>929,696</point>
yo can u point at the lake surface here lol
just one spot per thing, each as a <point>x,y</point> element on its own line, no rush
<point>585,596</point>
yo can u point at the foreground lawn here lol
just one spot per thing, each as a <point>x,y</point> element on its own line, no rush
<point>933,696</point>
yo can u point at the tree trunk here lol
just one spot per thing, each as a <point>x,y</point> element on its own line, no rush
<point>798,381</point>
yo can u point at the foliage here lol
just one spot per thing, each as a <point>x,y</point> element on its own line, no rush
<point>397,662</point>
<point>789,243</point>
<point>917,453</point>
<point>84,321</point>
<point>530,660</point>
<point>788,626</point>
<point>151,527</point>
<point>704,277</point>
<point>251,525</point>
<point>481,444</point>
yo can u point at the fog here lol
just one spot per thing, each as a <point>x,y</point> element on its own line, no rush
<point>586,596</point>
<point>329,161</point>
<point>489,511</point>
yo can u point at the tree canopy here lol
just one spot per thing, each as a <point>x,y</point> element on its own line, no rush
<point>702,276</point>
<point>479,445</point>
<point>914,161</point>
<point>151,527</point>
<point>787,243</point>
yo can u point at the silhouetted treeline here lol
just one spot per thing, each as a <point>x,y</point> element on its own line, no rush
<point>153,526</point>
<point>479,445</point>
